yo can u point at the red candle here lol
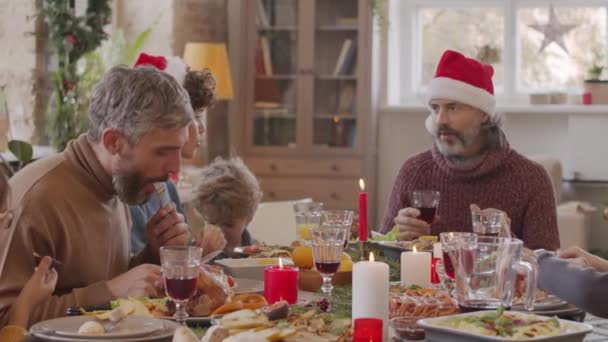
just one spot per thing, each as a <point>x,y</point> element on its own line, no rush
<point>368,330</point>
<point>281,283</point>
<point>363,232</point>
<point>434,275</point>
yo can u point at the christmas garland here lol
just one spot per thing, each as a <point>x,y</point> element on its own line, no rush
<point>71,37</point>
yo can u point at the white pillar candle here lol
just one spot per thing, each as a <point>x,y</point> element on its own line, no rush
<point>415,268</point>
<point>370,290</point>
<point>437,251</point>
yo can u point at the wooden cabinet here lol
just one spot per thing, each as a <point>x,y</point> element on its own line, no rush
<point>306,97</point>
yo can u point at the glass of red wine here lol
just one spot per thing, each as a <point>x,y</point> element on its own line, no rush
<point>445,267</point>
<point>427,202</point>
<point>180,268</point>
<point>337,219</point>
<point>327,247</point>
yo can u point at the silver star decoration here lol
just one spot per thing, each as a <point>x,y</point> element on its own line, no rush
<point>553,30</point>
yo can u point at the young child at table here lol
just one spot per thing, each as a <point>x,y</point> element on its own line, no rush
<point>40,285</point>
<point>227,196</point>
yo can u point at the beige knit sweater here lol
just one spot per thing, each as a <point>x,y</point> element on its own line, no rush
<point>65,206</point>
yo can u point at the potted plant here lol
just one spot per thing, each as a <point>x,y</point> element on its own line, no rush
<point>594,85</point>
<point>23,153</point>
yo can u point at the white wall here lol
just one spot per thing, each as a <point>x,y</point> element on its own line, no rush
<point>577,140</point>
<point>135,16</point>
<point>17,60</point>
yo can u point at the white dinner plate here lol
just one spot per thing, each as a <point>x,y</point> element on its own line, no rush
<point>130,329</point>
<point>243,285</point>
<point>574,331</point>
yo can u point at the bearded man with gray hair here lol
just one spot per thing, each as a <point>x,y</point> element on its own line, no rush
<point>73,206</point>
<point>471,162</point>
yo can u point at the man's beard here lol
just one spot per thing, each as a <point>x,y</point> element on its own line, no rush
<point>129,183</point>
<point>456,148</point>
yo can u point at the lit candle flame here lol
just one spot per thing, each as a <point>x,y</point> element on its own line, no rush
<point>415,250</point>
<point>361,184</point>
<point>280,263</point>
<point>371,256</point>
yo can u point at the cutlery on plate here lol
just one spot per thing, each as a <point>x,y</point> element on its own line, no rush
<point>210,256</point>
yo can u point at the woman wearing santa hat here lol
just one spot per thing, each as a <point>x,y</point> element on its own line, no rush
<point>200,86</point>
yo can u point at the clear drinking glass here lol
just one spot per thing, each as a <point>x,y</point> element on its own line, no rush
<point>308,216</point>
<point>327,247</point>
<point>445,266</point>
<point>180,268</point>
<point>427,202</point>
<point>338,219</point>
<point>490,223</point>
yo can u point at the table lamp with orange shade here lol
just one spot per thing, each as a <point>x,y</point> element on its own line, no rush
<point>214,56</point>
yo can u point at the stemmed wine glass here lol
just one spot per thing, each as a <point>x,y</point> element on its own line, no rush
<point>180,268</point>
<point>327,247</point>
<point>338,219</point>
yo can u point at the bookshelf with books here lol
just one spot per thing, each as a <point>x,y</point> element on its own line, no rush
<point>309,96</point>
<point>336,87</point>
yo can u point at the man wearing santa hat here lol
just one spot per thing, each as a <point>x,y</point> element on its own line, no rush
<point>471,162</point>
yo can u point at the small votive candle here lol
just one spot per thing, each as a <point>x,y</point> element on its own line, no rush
<point>281,283</point>
<point>368,330</point>
<point>416,268</point>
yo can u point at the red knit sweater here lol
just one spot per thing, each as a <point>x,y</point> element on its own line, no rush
<point>503,179</point>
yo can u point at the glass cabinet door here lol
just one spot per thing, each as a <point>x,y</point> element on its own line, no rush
<point>275,119</point>
<point>335,64</point>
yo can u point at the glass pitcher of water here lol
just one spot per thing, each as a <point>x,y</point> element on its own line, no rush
<point>486,269</point>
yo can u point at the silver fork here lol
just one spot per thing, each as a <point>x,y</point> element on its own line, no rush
<point>55,263</point>
<point>161,188</point>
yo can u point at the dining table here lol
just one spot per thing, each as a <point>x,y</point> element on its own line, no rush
<point>599,334</point>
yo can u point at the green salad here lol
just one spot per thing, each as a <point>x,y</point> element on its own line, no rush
<point>393,235</point>
<point>505,324</point>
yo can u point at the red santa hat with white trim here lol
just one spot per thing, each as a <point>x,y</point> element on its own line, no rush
<point>174,66</point>
<point>464,80</point>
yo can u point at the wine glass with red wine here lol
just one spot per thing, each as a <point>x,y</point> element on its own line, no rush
<point>327,247</point>
<point>180,267</point>
<point>427,202</point>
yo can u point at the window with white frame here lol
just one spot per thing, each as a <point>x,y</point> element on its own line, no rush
<point>508,34</point>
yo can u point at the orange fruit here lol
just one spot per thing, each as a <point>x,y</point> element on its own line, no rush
<point>346,256</point>
<point>346,265</point>
<point>302,257</point>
